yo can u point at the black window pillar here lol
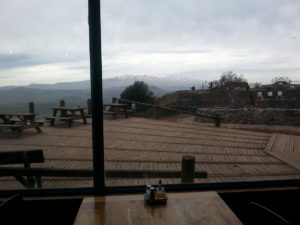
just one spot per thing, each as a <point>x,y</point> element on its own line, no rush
<point>96,94</point>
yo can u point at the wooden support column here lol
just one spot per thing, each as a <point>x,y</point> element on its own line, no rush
<point>30,179</point>
<point>31,107</point>
<point>62,103</point>
<point>89,106</point>
<point>187,169</point>
<point>217,122</point>
<point>63,113</point>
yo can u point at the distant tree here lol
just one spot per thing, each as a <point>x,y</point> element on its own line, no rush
<point>230,76</point>
<point>214,84</point>
<point>139,91</point>
<point>283,80</point>
<point>257,85</point>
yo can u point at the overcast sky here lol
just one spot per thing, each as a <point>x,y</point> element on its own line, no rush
<point>44,41</point>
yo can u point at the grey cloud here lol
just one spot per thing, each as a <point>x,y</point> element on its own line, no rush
<point>43,28</point>
<point>198,23</point>
<point>25,60</point>
<point>16,60</point>
<point>258,34</point>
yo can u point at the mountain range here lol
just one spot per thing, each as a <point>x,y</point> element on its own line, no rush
<point>16,98</point>
<point>167,83</point>
<point>111,86</point>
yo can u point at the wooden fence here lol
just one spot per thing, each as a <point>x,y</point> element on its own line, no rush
<point>216,119</point>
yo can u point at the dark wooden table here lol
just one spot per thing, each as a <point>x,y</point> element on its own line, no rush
<point>181,209</point>
<point>118,108</point>
<point>68,114</point>
<point>19,121</point>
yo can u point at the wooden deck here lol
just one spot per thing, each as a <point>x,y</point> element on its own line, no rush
<point>136,144</point>
<point>285,148</point>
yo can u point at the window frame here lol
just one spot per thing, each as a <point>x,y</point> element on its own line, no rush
<point>99,188</point>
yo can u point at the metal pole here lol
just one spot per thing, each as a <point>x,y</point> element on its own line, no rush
<point>96,93</point>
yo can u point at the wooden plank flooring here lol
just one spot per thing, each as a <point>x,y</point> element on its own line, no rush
<point>136,144</point>
<point>287,149</point>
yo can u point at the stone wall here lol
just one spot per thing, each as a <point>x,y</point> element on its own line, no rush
<point>253,115</point>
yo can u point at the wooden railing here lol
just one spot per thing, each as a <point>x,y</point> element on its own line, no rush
<point>88,173</point>
<point>187,172</point>
<point>216,119</point>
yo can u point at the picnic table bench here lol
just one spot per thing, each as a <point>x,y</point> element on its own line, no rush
<point>116,108</point>
<point>67,114</point>
<point>19,121</point>
<point>61,118</point>
<point>106,112</point>
<point>25,157</point>
<point>13,127</point>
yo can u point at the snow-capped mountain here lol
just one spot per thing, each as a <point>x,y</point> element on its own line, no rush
<point>76,93</point>
<point>170,83</point>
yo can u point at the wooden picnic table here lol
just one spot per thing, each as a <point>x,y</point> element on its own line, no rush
<point>118,108</point>
<point>68,114</point>
<point>19,121</point>
<point>181,209</point>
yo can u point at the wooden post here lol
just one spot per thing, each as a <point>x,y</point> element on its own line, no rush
<point>30,179</point>
<point>62,103</point>
<point>187,169</point>
<point>157,112</point>
<point>31,107</point>
<point>217,122</point>
<point>89,106</point>
<point>63,113</point>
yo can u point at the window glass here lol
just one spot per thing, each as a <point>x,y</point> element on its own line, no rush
<point>173,59</point>
<point>44,73</point>
<point>179,104</point>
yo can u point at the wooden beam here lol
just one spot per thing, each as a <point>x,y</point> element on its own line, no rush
<point>20,157</point>
<point>169,109</point>
<point>12,171</point>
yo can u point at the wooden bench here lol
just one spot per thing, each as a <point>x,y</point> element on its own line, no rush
<point>88,115</point>
<point>13,121</point>
<point>53,118</point>
<point>16,121</point>
<point>25,157</point>
<point>13,127</point>
<point>127,110</point>
<point>40,122</point>
<point>105,112</point>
